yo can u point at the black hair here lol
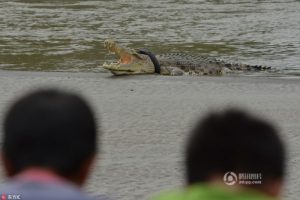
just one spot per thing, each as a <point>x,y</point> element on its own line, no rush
<point>233,141</point>
<point>52,129</point>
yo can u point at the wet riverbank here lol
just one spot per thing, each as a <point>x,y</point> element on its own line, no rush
<point>145,121</point>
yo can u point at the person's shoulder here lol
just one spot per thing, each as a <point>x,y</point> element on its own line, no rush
<point>46,191</point>
<point>197,192</point>
<point>170,195</point>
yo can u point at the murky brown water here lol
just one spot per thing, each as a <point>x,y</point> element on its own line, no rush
<point>67,35</point>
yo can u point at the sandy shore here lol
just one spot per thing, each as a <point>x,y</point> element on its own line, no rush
<point>145,120</point>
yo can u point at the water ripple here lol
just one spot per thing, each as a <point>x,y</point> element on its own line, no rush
<point>64,35</point>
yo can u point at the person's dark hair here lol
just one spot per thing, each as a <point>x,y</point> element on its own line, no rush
<point>233,141</point>
<point>52,129</point>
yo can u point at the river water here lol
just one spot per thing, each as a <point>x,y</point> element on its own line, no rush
<point>67,35</point>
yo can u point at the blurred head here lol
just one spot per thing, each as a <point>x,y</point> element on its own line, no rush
<point>234,141</point>
<point>53,130</point>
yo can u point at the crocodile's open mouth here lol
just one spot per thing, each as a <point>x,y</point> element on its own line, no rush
<point>130,61</point>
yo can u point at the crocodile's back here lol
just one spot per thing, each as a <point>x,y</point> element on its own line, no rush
<point>192,64</point>
<point>204,65</point>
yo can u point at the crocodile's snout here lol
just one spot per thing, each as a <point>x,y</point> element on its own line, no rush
<point>108,41</point>
<point>109,44</point>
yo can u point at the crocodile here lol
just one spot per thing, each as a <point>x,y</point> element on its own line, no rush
<point>142,61</point>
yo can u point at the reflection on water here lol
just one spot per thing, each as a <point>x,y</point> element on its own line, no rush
<point>67,35</point>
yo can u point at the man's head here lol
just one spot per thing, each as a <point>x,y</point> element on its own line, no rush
<point>52,130</point>
<point>234,141</point>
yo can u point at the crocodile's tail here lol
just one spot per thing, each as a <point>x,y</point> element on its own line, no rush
<point>245,67</point>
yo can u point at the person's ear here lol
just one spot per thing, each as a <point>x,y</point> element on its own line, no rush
<point>273,187</point>
<point>8,167</point>
<point>84,171</point>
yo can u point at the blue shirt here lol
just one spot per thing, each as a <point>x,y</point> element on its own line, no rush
<point>37,185</point>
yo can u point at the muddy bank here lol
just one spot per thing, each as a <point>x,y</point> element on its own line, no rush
<point>145,120</point>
